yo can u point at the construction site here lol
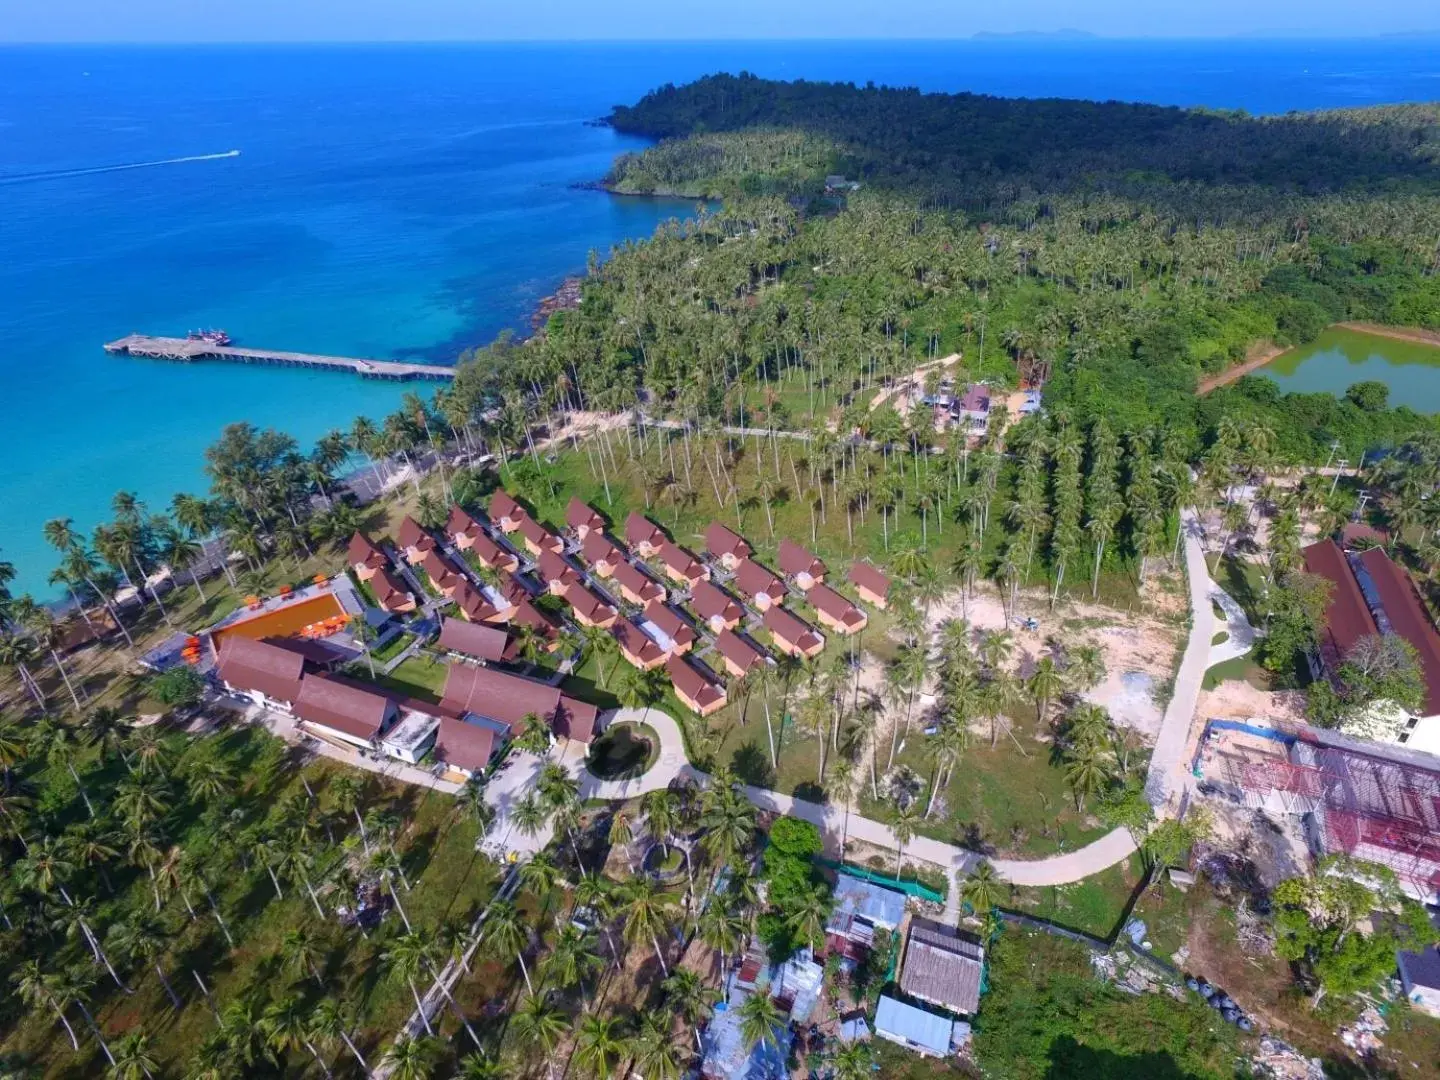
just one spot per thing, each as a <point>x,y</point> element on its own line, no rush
<point>1374,802</point>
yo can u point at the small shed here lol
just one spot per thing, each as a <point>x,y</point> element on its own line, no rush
<point>914,1029</point>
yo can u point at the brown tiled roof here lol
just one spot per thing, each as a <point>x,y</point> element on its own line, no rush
<point>710,601</point>
<point>389,589</point>
<point>789,627</point>
<point>364,552</point>
<point>866,576</point>
<point>527,614</point>
<point>836,606</point>
<point>464,745</point>
<point>511,589</point>
<point>341,706</point>
<point>681,561</point>
<point>638,582</point>
<point>1347,616</point>
<point>640,529</point>
<point>538,535</point>
<point>499,695</point>
<point>752,579</point>
<point>1408,618</point>
<point>490,553</point>
<point>473,639</point>
<point>575,719</point>
<point>597,548</point>
<point>666,618</point>
<point>553,568</point>
<point>942,967</point>
<point>578,514</point>
<point>975,399</point>
<point>440,569</point>
<point>503,506</point>
<point>472,602</point>
<point>412,535</point>
<point>794,559</point>
<point>738,651</point>
<point>720,541</point>
<point>461,523</point>
<point>691,683</point>
<point>315,653</point>
<point>635,642</point>
<point>247,664</point>
<point>586,602</point>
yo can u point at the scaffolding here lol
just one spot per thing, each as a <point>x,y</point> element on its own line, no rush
<point>1368,807</point>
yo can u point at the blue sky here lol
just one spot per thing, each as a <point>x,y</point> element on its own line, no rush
<point>433,20</point>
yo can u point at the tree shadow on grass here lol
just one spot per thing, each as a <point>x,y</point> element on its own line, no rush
<point>752,765</point>
<point>1069,1060</point>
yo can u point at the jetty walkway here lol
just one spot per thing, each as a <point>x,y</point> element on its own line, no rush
<point>189,349</point>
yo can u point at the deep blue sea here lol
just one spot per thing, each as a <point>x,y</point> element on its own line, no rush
<point>398,201</point>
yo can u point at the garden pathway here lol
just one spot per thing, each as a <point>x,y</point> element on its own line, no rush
<point>1164,778</point>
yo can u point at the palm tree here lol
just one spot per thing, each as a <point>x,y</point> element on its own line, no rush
<point>981,889</point>
<point>133,1058</point>
<point>349,791</point>
<point>648,909</point>
<point>653,1046</point>
<point>840,788</point>
<point>760,1021</point>
<point>1042,686</point>
<point>903,829</point>
<point>141,940</point>
<point>387,864</point>
<point>540,1026</point>
<point>854,1062</point>
<point>808,916</point>
<point>507,936</point>
<point>690,999</point>
<point>286,1026</point>
<point>407,958</point>
<point>1085,770</point>
<point>599,1046</point>
<point>411,1059</point>
<point>303,951</point>
<point>480,1067</point>
<point>572,959</point>
<point>41,990</point>
<point>329,1022</point>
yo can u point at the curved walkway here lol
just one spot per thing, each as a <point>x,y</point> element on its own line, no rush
<point>1241,635</point>
<point>1165,777</point>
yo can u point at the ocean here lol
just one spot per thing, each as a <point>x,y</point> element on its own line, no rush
<point>398,202</point>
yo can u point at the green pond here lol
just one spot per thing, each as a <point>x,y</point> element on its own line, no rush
<point>1338,359</point>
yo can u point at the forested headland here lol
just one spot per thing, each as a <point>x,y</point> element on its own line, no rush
<point>1127,249</point>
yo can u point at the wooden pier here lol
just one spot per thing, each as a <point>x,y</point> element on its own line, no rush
<point>189,349</point>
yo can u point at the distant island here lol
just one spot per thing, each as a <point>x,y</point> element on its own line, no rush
<point>1064,34</point>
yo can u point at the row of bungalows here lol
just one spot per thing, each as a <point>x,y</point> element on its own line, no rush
<point>467,534</point>
<point>801,567</point>
<point>762,587</point>
<point>726,546</point>
<point>582,519</point>
<point>369,563</point>
<point>655,636</point>
<point>646,540</point>
<point>718,609</point>
<point>791,634</point>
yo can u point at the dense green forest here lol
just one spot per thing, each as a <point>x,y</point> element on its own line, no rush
<point>1125,250</point>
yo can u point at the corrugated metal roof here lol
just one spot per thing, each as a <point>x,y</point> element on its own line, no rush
<point>916,1026</point>
<point>884,907</point>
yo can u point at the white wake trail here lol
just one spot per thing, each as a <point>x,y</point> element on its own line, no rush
<point>60,174</point>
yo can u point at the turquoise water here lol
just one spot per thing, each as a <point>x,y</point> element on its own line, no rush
<point>395,202</point>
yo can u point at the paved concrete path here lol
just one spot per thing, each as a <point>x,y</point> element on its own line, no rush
<point>1241,635</point>
<point>1164,779</point>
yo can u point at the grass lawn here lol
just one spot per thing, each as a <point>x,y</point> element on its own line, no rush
<point>1093,906</point>
<point>1245,582</point>
<point>420,677</point>
<point>393,648</point>
<point>998,799</point>
<point>1243,668</point>
<point>623,751</point>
